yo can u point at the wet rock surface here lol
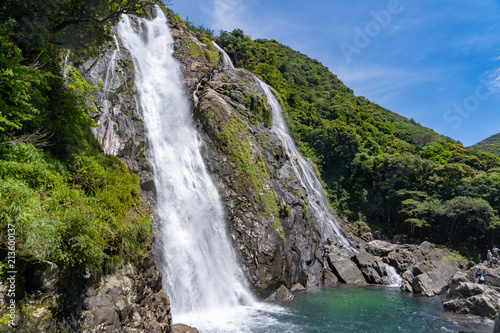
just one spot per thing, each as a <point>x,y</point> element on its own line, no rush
<point>266,205</point>
<point>426,268</point>
<point>467,296</point>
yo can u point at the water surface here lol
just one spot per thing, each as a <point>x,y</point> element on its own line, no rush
<point>357,309</point>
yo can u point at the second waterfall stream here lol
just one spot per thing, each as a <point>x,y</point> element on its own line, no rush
<point>206,286</point>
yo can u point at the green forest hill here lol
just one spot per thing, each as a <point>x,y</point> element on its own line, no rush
<point>491,144</point>
<point>378,167</point>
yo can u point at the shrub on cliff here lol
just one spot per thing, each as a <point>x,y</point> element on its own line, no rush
<point>82,216</point>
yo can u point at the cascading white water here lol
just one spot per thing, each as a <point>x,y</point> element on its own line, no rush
<point>106,131</point>
<point>206,286</point>
<point>317,202</point>
<point>303,170</point>
<point>393,279</point>
<point>226,61</point>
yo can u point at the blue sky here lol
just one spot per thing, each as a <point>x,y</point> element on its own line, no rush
<point>437,61</point>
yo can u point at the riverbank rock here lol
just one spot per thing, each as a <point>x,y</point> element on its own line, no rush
<point>426,268</point>
<point>380,248</point>
<point>372,267</point>
<point>282,295</point>
<point>181,328</point>
<point>345,269</point>
<point>467,297</point>
<point>497,325</point>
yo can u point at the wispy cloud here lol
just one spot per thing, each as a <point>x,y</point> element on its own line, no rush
<point>493,80</point>
<point>228,14</point>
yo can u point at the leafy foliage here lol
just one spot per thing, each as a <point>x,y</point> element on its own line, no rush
<point>491,145</point>
<point>81,216</point>
<point>19,84</point>
<point>378,166</point>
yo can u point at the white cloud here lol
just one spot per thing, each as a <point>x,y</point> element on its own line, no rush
<point>493,80</point>
<point>228,14</point>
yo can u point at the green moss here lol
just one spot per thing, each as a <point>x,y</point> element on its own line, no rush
<point>194,50</point>
<point>235,137</point>
<point>4,319</point>
<point>258,106</point>
<point>278,227</point>
<point>453,256</point>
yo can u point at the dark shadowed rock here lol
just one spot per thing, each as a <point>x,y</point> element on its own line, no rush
<point>43,277</point>
<point>281,295</point>
<point>497,325</point>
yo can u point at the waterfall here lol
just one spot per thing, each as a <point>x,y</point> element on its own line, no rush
<point>226,61</point>
<point>393,279</point>
<point>303,170</point>
<point>206,286</point>
<point>106,131</point>
<point>316,196</point>
<point>196,100</point>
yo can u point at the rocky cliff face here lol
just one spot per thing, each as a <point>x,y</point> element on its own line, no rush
<point>266,207</point>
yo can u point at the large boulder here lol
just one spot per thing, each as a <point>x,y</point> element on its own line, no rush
<point>380,248</point>
<point>282,295</point>
<point>467,297</point>
<point>485,305</point>
<point>345,269</point>
<point>430,283</point>
<point>372,267</point>
<point>181,328</point>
